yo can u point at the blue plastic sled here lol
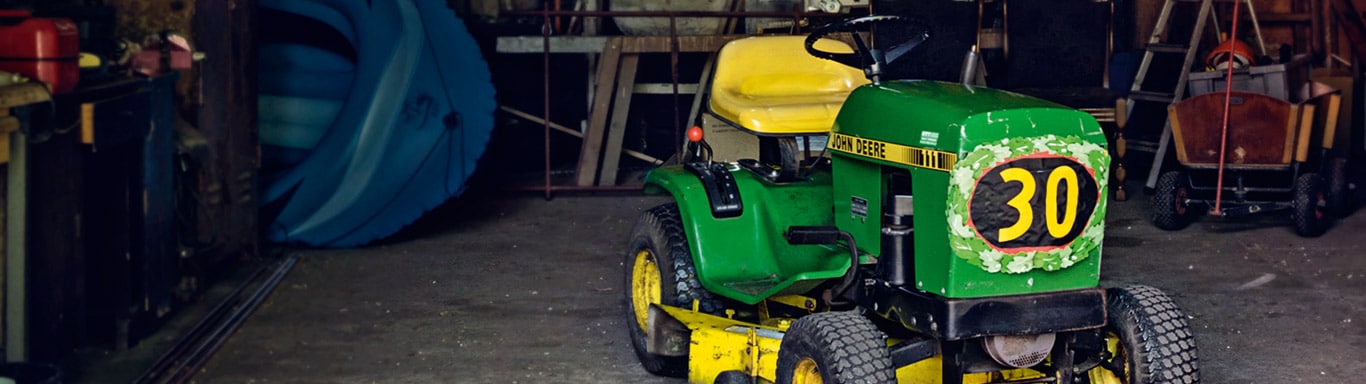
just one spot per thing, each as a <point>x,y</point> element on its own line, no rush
<point>355,149</point>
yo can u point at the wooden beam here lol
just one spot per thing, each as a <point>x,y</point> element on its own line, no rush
<point>628,44</point>
<point>616,131</point>
<point>23,94</point>
<point>1352,25</point>
<point>558,44</point>
<point>227,116</point>
<point>597,120</point>
<point>1285,18</point>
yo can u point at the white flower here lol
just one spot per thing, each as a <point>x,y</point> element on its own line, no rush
<point>991,260</point>
<point>1067,259</point>
<point>958,226</point>
<point>1080,152</point>
<point>1041,143</point>
<point>963,179</point>
<point>999,152</point>
<point>1021,263</point>
<point>1096,232</point>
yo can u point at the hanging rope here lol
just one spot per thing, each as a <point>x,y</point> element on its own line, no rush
<point>1228,98</point>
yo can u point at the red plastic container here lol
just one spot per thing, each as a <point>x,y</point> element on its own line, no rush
<point>43,49</point>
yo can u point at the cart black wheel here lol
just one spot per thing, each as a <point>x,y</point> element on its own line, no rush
<point>659,270</point>
<point>1307,208</point>
<point>1339,193</point>
<point>1171,211</point>
<point>834,348</point>
<point>1148,339</point>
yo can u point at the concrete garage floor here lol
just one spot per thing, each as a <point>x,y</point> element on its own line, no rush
<point>516,289</point>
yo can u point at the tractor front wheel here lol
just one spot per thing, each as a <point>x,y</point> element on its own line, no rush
<point>1148,340</point>
<point>834,348</point>
<point>1307,208</point>
<point>659,271</point>
<point>1170,208</point>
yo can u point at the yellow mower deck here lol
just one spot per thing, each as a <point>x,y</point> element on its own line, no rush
<point>719,344</point>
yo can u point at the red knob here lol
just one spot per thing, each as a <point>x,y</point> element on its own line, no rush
<point>695,134</point>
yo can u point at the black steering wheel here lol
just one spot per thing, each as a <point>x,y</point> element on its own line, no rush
<point>871,60</point>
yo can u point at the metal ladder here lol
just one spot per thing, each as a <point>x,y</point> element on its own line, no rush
<point>1156,45</point>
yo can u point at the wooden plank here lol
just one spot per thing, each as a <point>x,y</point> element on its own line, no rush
<point>7,124</point>
<point>595,44</point>
<point>616,132</point>
<point>662,44</point>
<point>1330,126</point>
<point>23,94</point>
<point>597,120</point>
<point>1285,18</point>
<point>228,119</point>
<point>558,44</point>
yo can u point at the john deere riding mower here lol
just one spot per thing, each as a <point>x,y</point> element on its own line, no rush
<point>945,233</point>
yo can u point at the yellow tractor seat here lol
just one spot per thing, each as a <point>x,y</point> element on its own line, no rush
<point>769,85</point>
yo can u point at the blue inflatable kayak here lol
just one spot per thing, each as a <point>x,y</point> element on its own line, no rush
<point>378,118</point>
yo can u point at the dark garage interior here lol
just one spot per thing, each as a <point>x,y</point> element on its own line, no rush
<point>703,191</point>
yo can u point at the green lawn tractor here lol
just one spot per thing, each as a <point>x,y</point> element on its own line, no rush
<point>944,233</point>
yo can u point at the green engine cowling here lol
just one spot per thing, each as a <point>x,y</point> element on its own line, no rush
<point>1009,191</point>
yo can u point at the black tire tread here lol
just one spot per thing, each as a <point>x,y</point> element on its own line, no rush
<point>1156,335</point>
<point>1339,195</point>
<point>1305,212</point>
<point>1165,215</point>
<point>687,287</point>
<point>847,347</point>
<point>661,230</point>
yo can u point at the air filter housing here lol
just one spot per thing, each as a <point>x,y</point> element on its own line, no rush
<point>1019,351</point>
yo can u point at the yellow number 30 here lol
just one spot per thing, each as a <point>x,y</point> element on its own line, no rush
<point>1056,228</point>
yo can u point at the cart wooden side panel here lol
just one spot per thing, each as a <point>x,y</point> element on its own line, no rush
<point>1261,132</point>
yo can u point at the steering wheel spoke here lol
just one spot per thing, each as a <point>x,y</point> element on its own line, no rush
<point>870,60</point>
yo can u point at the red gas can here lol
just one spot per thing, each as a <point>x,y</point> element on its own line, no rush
<point>44,49</point>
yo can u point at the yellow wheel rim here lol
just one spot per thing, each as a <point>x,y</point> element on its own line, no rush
<point>1100,375</point>
<point>806,372</point>
<point>644,286</point>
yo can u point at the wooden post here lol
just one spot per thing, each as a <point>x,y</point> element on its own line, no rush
<point>226,33</point>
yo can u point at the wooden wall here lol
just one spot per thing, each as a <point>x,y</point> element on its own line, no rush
<point>217,98</point>
<point>1309,26</point>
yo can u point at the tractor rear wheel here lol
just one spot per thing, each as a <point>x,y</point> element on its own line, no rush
<point>1170,208</point>
<point>834,348</point>
<point>1307,207</point>
<point>1148,339</point>
<point>659,270</point>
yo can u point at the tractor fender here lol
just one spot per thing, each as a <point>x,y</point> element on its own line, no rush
<point>738,255</point>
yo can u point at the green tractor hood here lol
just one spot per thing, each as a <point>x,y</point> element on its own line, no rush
<point>1009,190</point>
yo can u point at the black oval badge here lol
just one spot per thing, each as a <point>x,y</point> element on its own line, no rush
<point>1033,202</point>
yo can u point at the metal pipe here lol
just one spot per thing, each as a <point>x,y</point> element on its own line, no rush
<point>545,93</point>
<point>673,71</point>
<point>571,132</point>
